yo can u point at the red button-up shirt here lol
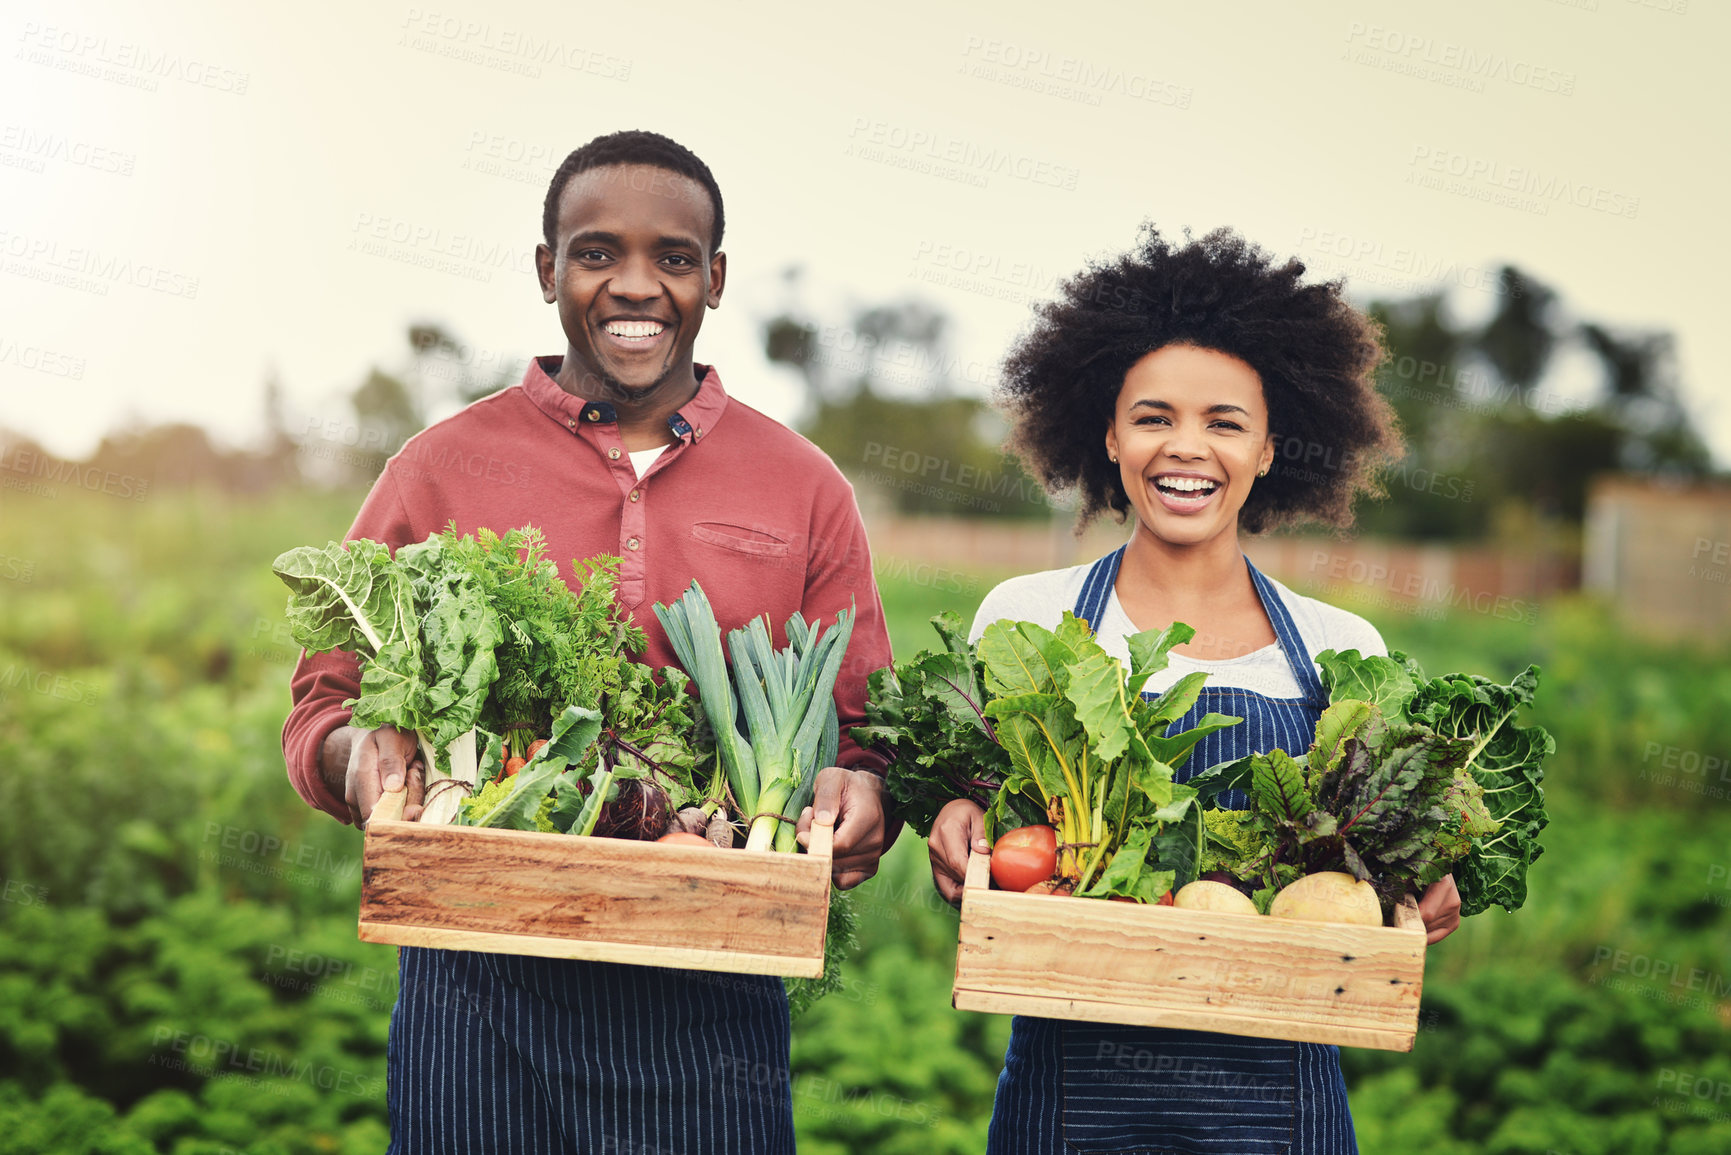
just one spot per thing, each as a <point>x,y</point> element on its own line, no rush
<point>754,512</point>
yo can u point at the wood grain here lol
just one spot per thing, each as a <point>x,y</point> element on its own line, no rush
<point>604,899</point>
<point>1158,966</point>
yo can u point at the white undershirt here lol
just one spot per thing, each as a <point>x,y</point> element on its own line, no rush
<point>1043,597</point>
<point>642,459</point>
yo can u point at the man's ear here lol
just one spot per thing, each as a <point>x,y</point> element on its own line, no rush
<point>717,279</point>
<point>544,273</point>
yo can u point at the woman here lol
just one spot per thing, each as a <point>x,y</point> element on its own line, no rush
<point>1208,390</point>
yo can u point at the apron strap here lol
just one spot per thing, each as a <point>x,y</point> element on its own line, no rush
<point>1103,575</point>
<point>1291,644</point>
<point>1097,588</point>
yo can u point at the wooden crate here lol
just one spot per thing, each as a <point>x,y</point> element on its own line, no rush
<point>605,899</point>
<point>1058,957</point>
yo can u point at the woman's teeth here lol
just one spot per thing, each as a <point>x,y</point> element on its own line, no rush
<point>1187,486</point>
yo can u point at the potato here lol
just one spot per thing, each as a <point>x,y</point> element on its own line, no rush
<point>1215,896</point>
<point>1329,896</point>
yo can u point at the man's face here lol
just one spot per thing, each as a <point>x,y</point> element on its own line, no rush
<point>631,273</point>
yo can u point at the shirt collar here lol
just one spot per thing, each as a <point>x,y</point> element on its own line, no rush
<point>694,419</point>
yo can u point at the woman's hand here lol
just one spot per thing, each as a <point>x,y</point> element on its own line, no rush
<point>960,829</point>
<point>1440,907</point>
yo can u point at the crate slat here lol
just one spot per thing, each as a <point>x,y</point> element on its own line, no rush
<point>1098,961</point>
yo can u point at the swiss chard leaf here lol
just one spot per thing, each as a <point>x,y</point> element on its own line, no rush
<point>347,597</point>
<point>1150,652</point>
<point>1130,874</point>
<point>1096,689</point>
<point>1385,682</point>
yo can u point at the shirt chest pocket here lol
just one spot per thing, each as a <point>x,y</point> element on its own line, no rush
<point>741,539</point>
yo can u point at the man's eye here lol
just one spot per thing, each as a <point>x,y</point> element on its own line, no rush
<point>680,260</point>
<point>592,254</point>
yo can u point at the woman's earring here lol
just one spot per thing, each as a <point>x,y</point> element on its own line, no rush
<point>1263,472</point>
<point>1112,457</point>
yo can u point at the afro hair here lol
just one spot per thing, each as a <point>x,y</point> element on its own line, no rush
<point>1315,353</point>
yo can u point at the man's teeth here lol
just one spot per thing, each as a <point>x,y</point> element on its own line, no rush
<point>1187,484</point>
<point>635,328</point>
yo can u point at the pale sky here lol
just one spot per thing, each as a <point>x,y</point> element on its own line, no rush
<point>195,195</point>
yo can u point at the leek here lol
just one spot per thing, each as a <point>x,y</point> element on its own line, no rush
<point>785,697</point>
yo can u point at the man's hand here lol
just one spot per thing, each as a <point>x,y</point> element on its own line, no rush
<point>366,763</point>
<point>1440,907</point>
<point>854,801</point>
<point>959,829</point>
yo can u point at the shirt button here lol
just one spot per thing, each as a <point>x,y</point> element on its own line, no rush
<point>698,436</point>
<point>614,453</point>
<point>571,423</point>
<point>631,543</point>
<point>635,494</point>
<point>594,415</point>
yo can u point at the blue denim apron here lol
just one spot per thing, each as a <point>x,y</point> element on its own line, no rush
<point>1087,1087</point>
<point>494,1054</point>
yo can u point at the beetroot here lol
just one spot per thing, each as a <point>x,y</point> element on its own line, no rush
<point>638,810</point>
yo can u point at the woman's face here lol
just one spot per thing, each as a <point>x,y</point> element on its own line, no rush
<point>1190,433</point>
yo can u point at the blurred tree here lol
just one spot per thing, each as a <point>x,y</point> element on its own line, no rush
<point>1520,336</point>
<point>387,416</point>
<point>1483,450</point>
<point>881,401</point>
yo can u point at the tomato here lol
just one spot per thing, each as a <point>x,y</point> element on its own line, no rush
<point>1165,899</point>
<point>513,765</point>
<point>686,838</point>
<point>1025,856</point>
<point>535,747</point>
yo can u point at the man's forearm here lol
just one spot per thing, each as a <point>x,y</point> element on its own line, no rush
<point>334,759</point>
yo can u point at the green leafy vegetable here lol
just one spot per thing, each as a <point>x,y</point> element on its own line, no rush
<point>927,716</point>
<point>1407,779</point>
<point>1082,749</point>
<point>424,630</point>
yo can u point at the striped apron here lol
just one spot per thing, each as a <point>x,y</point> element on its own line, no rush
<point>1087,1087</point>
<point>494,1054</point>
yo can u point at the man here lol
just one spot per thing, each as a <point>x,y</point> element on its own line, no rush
<point>624,446</point>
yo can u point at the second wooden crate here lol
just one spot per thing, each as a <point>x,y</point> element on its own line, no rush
<point>1109,962</point>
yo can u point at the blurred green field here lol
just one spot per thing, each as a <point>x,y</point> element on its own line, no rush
<point>179,973</point>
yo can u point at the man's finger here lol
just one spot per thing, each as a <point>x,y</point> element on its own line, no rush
<point>826,802</point>
<point>393,772</point>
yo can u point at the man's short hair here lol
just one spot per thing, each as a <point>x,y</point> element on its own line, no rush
<point>633,146</point>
